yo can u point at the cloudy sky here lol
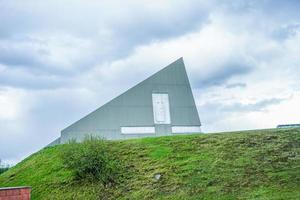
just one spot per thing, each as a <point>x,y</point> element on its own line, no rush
<point>61,59</point>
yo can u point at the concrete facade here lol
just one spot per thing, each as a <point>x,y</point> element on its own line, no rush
<point>163,104</point>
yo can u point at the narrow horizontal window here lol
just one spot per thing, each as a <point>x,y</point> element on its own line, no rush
<point>186,129</point>
<point>138,130</point>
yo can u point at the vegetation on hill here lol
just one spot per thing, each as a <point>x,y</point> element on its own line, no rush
<point>91,161</point>
<point>263,164</point>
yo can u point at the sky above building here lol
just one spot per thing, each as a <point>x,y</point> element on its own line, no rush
<point>60,60</point>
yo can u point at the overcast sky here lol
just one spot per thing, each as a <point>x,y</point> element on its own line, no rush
<point>61,59</point>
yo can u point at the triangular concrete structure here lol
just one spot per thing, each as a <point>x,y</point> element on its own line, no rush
<point>163,104</point>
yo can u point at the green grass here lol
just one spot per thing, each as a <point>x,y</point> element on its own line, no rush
<point>262,164</point>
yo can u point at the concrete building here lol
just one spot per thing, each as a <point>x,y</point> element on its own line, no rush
<point>163,104</point>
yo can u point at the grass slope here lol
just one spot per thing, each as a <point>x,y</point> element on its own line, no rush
<point>261,164</point>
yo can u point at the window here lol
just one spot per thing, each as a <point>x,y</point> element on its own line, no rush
<point>137,130</point>
<point>186,129</point>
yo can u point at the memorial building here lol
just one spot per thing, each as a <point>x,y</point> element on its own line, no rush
<point>161,105</point>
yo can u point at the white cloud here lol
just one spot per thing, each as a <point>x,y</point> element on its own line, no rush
<point>11,104</point>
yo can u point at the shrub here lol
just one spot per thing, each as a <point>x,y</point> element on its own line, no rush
<point>91,160</point>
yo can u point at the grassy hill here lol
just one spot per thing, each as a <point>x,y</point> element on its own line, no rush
<point>263,164</point>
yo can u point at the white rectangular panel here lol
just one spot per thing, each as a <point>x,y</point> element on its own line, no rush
<point>137,130</point>
<point>186,129</point>
<point>161,108</point>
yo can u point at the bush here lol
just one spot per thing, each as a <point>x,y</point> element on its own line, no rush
<point>91,160</point>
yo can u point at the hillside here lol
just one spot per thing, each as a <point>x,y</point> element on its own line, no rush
<point>263,164</point>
